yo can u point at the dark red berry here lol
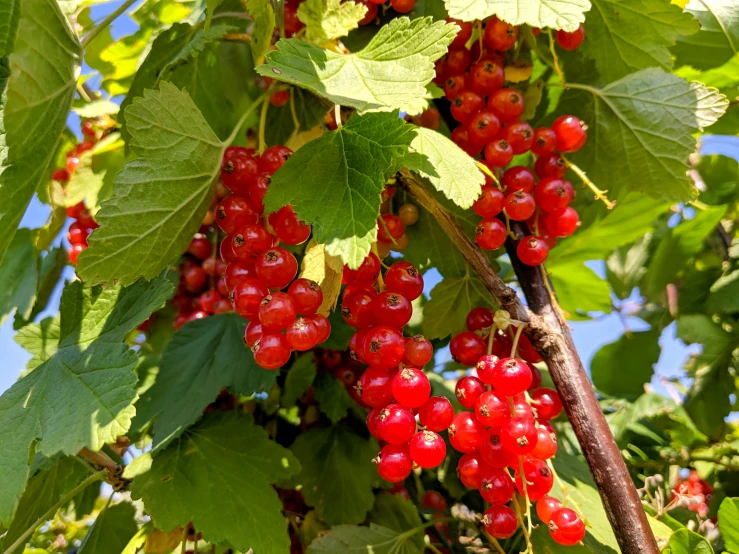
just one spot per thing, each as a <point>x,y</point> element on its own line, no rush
<point>471,469</point>
<point>288,228</point>
<point>463,35</point>
<point>500,35</point>
<point>507,104</point>
<point>391,309</point>
<point>499,153</point>
<point>405,279</point>
<point>467,347</point>
<point>479,318</point>
<point>461,137</point>
<point>467,390</point>
<point>490,202</point>
<point>237,271</point>
<point>276,267</point>
<point>571,41</point>
<point>532,250</point>
<point>519,205</point>
<point>307,296</point>
<point>273,158</point>
<point>457,59</point>
<point>272,350</point>
<point>366,274</point>
<point>518,178</point>
<point>550,165</point>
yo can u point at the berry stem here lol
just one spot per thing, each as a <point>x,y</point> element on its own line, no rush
<point>263,122</point>
<point>337,115</point>
<point>524,484</point>
<point>491,338</point>
<point>524,528</point>
<point>380,280</point>
<point>492,540</point>
<point>292,108</point>
<point>599,194</point>
<point>567,498</point>
<point>555,59</point>
<point>100,27</point>
<point>237,37</point>
<point>387,231</point>
<point>254,105</point>
<point>516,337</point>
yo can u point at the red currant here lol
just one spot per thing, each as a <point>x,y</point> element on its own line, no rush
<point>566,527</point>
<point>499,153</point>
<point>253,332</point>
<point>375,386</point>
<point>466,433</point>
<point>405,279</point>
<point>500,35</point>
<point>483,128</point>
<point>490,202</point>
<point>493,451</point>
<point>288,228</point>
<point>552,194</point>
<point>272,350</point>
<point>546,506</point>
<point>384,346</point>
<point>454,84</point>
<point>518,436</point>
<point>411,388</point>
<point>465,105</point>
<point>507,104</point>
<point>486,365</point>
<point>306,294</point>
<point>276,267</point>
<point>571,41</point>
<point>471,469</point>
<point>251,240</point>
<point>436,414</point>
<point>365,275</point>
<point>479,318</point>
<point>511,376</point>
<point>520,136</point>
<point>403,6</point>
<point>520,205</point>
<point>418,350</point>
<point>392,309</point>
<point>518,178</point>
<point>390,228</point>
<point>562,223</point>
<point>467,347</point>
<point>356,308</point>
<point>546,444</point>
<point>247,296</point>
<point>461,137</point>
<point>457,60</point>
<point>238,168</point>
<point>491,409</point>
<point>539,479</point>
<point>302,334</point>
<point>428,449</point>
<point>467,390</point>
<point>277,311</point>
<point>237,271</point>
<point>394,462</point>
<point>545,141</point>
<point>550,165</point>
<point>500,522</point>
<point>463,35</point>
<point>397,424</point>
<point>547,403</point>
<point>497,486</point>
<point>490,234</point>
<point>532,250</point>
<point>486,76</point>
<point>571,133</point>
<point>273,158</point>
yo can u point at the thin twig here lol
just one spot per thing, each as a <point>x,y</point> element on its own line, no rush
<point>245,116</point>
<point>567,498</point>
<point>263,124</point>
<point>555,59</point>
<point>514,346</point>
<point>100,27</point>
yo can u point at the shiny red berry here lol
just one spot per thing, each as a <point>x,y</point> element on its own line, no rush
<point>272,350</point>
<point>566,527</point>
<point>532,250</point>
<point>500,35</point>
<point>276,311</point>
<point>307,296</point>
<point>547,403</point>
<point>466,433</point>
<point>485,367</point>
<point>539,478</point>
<point>428,449</point>
<point>467,390</point>
<point>520,136</point>
<point>389,228</point>
<point>511,376</point>
<point>518,178</point>
<point>546,444</point>
<point>552,194</point>
<point>562,223</point>
<point>518,436</point>
<point>571,133</point>
<point>302,334</point>
<point>356,308</point>
<point>384,346</point>
<point>375,386</point>
<point>276,267</point>
<point>571,41</point>
<point>436,414</point>
<point>507,104</point>
<point>397,424</point>
<point>546,506</point>
<point>486,76</point>
<point>465,105</point>
<point>467,347</point>
<point>418,350</point>
<point>490,234</point>
<point>499,153</point>
<point>479,318</point>
<point>322,324</point>
<point>545,141</point>
<point>247,297</point>
<point>391,309</point>
<point>461,137</point>
<point>366,274</point>
<point>405,279</point>
<point>520,205</point>
<point>493,451</point>
<point>288,228</point>
<point>492,409</point>
<point>483,128</point>
<point>394,462</point>
<point>463,35</point>
<point>500,522</point>
<point>273,158</point>
<point>411,388</point>
<point>497,486</point>
<point>490,202</point>
<point>550,165</point>
<point>471,469</point>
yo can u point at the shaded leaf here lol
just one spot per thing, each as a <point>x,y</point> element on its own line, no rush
<point>622,368</point>
<point>451,300</point>
<point>112,530</point>
<point>332,397</point>
<point>326,20</point>
<point>718,38</point>
<point>298,379</point>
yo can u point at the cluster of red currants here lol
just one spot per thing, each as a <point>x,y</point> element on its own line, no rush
<point>695,491</point>
<point>507,428</point>
<point>258,270</point>
<point>489,115</point>
<point>391,228</point>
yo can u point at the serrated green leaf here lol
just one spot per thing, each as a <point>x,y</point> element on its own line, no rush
<point>401,515</point>
<point>197,44</point>
<point>161,196</point>
<point>203,357</point>
<point>579,290</point>
<point>52,267</point>
<point>263,15</point>
<point>447,167</point>
<point>92,366</point>
<point>556,14</point>
<point>93,179</point>
<point>326,20</point>
<point>626,150</point>
<point>298,379</point>
<point>626,267</point>
<point>18,276</point>
<point>336,474</point>
<point>724,295</point>
<point>391,73</point>
<point>451,300</point>
<point>624,36</point>
<point>332,397</point>
<point>10,11</point>
<point>223,465</point>
<point>40,339</point>
<point>44,490</point>
<point>355,539</point>
<point>40,91</point>
<point>112,530</point>
<point>685,541</point>
<point>637,351</point>
<point>342,175</point>
<point>718,38</point>
<point>728,518</point>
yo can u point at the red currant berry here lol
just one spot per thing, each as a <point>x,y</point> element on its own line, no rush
<point>247,296</point>
<point>207,300</point>
<point>550,165</point>
<point>552,194</point>
<point>272,350</point>
<point>545,141</point>
<point>434,500</point>
<point>405,279</point>
<point>391,309</point>
<point>479,318</point>
<point>365,275</point>
<point>384,346</point>
<point>497,486</point>
<point>390,228</point>
<point>483,128</point>
<point>457,60</point>
<point>251,240</point>
<point>535,377</point>
<point>490,234</point>
<point>226,250</point>
<point>302,334</point>
<point>491,409</point>
<point>571,133</point>
<point>77,234</point>
<point>547,403</point>
<point>463,35</point>
<point>465,105</point>
<point>500,522</point>
<point>356,309</point>
<point>411,387</point>
<point>371,12</point>
<point>292,22</point>
<point>466,433</point>
<point>539,479</point>
<point>493,451</point>
<point>571,41</point>
<point>356,346</point>
<point>277,311</point>
<point>397,424</point>
<point>490,202</point>
<point>373,420</point>
<point>468,390</point>
<point>454,84</point>
<point>237,271</point>
<point>532,250</point>
<point>485,367</point>
<point>253,332</point>
<point>237,169</point>
<point>74,252</point>
<point>566,527</point>
<point>394,462</point>
<point>403,6</point>
<point>276,267</point>
<point>288,228</point>
<point>194,278</point>
<point>273,158</point>
<point>546,506</point>
<point>418,350</point>
<point>467,347</point>
<point>279,98</point>
<point>518,178</point>
<point>428,449</point>
<point>518,436</point>
<point>61,175</point>
<point>200,247</point>
<point>486,76</point>
<point>511,376</point>
<point>471,469</point>
<point>461,137</point>
<point>500,35</point>
<point>258,189</point>
<point>520,205</point>
<point>499,153</point>
<point>562,223</point>
<point>520,136</point>
<point>436,414</point>
<point>375,386</point>
<point>546,444</point>
<point>307,296</point>
<point>507,104</point>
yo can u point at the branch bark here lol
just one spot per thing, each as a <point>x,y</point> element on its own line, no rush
<point>550,336</point>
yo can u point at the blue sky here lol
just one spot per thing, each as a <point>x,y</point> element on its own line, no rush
<point>589,336</point>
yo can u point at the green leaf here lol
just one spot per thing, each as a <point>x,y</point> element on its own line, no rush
<point>622,368</point>
<point>391,73</point>
<point>724,295</point>
<point>451,300</point>
<point>679,245</point>
<point>92,366</point>
<point>223,465</point>
<point>336,474</point>
<point>718,38</point>
<point>631,219</point>
<point>10,12</point>
<point>579,289</point>
<point>728,517</point>
<point>40,339</point>
<point>626,267</point>
<point>399,514</point>
<point>112,530</point>
<point>326,20</point>
<point>626,150</point>
<point>40,92</point>
<point>624,36</point>
<point>52,267</point>
<point>44,490</point>
<point>352,539</point>
<point>342,175</point>
<point>18,276</point>
<point>204,357</point>
<point>211,5</point>
<point>447,167</point>
<point>298,379</point>
<point>196,45</point>
<point>93,179</point>
<point>332,397</point>
<point>708,401</point>
<point>685,541</point>
<point>263,15</point>
<point>556,14</point>
<point>161,196</point>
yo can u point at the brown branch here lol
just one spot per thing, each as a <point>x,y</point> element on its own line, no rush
<point>550,336</point>
<point>113,471</point>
